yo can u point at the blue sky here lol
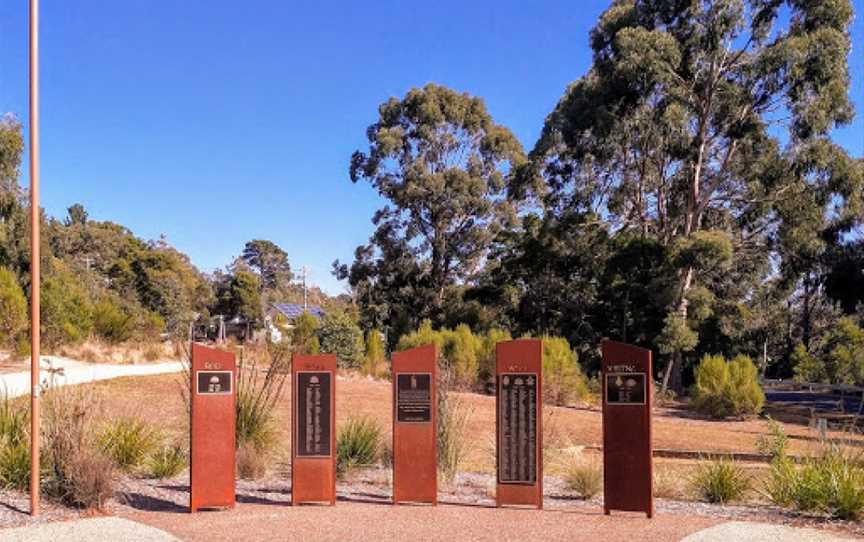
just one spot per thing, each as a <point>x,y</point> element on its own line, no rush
<point>216,122</point>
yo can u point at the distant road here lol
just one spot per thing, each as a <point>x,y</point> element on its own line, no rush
<point>67,371</point>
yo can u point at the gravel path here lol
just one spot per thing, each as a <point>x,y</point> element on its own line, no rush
<point>88,530</point>
<point>740,531</point>
<point>69,371</point>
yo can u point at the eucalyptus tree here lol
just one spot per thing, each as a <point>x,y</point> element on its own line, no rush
<point>442,163</point>
<point>703,125</point>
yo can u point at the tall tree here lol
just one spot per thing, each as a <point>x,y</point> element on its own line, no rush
<point>269,261</point>
<point>673,133</point>
<point>441,162</point>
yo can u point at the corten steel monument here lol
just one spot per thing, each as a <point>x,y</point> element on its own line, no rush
<point>519,422</point>
<point>313,450</point>
<point>415,450</point>
<point>213,419</point>
<point>627,399</point>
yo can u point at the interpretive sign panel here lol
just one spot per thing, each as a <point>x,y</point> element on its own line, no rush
<point>414,397</point>
<point>519,416</point>
<point>415,456</point>
<point>627,463</point>
<point>313,393</point>
<point>212,419</point>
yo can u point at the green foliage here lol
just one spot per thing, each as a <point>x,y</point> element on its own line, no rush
<point>67,314</point>
<point>720,481</point>
<point>704,250</point>
<point>451,431</point>
<point>270,261</point>
<point>460,352</point>
<point>807,368</point>
<point>13,309</point>
<point>258,396</point>
<point>128,442</point>
<point>677,336</point>
<point>727,389</point>
<point>14,445</point>
<point>240,296</point>
<point>111,323</point>
<point>358,444</point>
<point>304,334</point>
<point>339,334</point>
<point>563,381</point>
<point>584,477</point>
<point>167,461</point>
<point>375,360</point>
<point>486,353</point>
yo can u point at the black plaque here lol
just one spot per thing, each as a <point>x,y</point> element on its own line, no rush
<point>414,397</point>
<point>214,382</point>
<point>625,388</point>
<point>313,414</point>
<point>517,428</point>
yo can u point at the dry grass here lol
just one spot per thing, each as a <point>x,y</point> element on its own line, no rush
<point>132,353</point>
<point>252,463</point>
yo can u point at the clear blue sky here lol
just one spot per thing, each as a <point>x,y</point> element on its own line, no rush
<point>216,122</point>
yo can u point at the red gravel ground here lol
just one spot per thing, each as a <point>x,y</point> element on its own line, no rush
<point>367,521</point>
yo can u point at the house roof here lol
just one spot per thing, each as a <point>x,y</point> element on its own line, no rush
<point>294,310</point>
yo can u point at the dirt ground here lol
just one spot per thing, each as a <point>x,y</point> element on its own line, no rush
<point>158,399</point>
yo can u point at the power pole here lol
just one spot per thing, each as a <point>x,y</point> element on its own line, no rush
<point>34,258</point>
<point>304,270</point>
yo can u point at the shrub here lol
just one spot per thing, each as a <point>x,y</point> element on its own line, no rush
<point>375,361</point>
<point>258,395</point>
<point>339,334</point>
<point>252,463</point>
<point>720,481</point>
<point>831,482</point>
<point>727,389</point>
<point>460,352</point>
<point>303,334</point>
<point>563,381</point>
<point>666,483</point>
<point>13,309</point>
<point>111,323</point>
<point>77,472</point>
<point>128,441</point>
<point>452,421</point>
<point>167,461</point>
<point>66,310</point>
<point>486,354</point>
<point>14,445</point>
<point>584,476</point>
<point>358,444</point>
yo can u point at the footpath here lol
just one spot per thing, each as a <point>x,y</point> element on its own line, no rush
<point>65,371</point>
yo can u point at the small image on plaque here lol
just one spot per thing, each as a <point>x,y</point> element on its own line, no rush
<point>517,428</point>
<point>625,388</point>
<point>213,382</point>
<point>414,397</point>
<point>312,413</point>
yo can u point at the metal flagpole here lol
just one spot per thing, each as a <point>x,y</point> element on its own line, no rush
<point>34,257</point>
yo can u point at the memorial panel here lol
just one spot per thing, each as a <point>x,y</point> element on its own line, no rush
<point>414,397</point>
<point>313,423</point>
<point>517,412</point>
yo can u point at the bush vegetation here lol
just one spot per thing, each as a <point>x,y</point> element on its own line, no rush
<point>725,389</point>
<point>830,481</point>
<point>262,375</point>
<point>452,425</point>
<point>720,481</point>
<point>563,381</point>
<point>339,334</point>
<point>13,309</point>
<point>14,445</point>
<point>252,463</point>
<point>167,461</point>
<point>128,441</point>
<point>375,360</point>
<point>358,444</point>
<point>583,475</point>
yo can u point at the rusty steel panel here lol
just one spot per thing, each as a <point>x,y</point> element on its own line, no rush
<point>415,450</point>
<point>313,419</point>
<point>627,400</point>
<point>212,449</point>
<point>519,422</point>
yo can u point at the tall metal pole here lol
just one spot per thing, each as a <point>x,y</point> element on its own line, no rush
<point>34,257</point>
